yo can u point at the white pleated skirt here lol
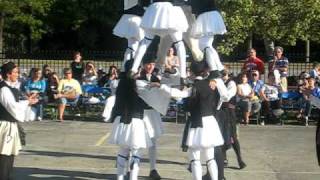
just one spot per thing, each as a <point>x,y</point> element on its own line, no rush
<point>208,24</point>
<point>153,123</point>
<point>129,27</point>
<point>162,18</point>
<point>132,136</point>
<point>207,136</point>
<point>9,138</point>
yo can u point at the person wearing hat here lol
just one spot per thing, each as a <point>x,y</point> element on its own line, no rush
<point>142,92</point>
<point>204,134</point>
<point>12,111</point>
<point>152,116</point>
<point>129,130</point>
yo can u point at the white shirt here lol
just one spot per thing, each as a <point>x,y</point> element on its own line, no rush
<point>19,109</point>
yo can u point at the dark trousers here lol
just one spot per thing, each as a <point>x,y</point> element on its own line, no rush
<point>6,167</point>
<point>218,154</point>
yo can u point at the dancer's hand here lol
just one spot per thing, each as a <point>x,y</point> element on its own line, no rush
<point>213,84</point>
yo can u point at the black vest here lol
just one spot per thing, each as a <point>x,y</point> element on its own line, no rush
<point>128,105</point>
<point>201,6</point>
<point>153,78</point>
<point>4,114</point>
<point>203,102</point>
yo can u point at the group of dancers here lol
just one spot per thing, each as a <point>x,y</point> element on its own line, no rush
<point>140,98</point>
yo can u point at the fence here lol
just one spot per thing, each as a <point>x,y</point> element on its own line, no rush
<point>57,60</point>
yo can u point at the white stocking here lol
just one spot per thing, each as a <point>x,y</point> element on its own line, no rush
<point>195,163</point>
<point>143,46</point>
<point>122,160</point>
<point>134,164</point>
<point>212,57</point>
<point>211,163</point>
<point>181,52</point>
<point>153,154</point>
<point>133,45</point>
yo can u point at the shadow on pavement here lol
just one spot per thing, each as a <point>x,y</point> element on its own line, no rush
<point>113,158</point>
<point>24,173</point>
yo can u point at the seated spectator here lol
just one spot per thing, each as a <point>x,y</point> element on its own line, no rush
<point>279,65</point>
<point>253,63</point>
<point>256,84</point>
<point>171,62</point>
<point>77,66</point>
<point>69,90</point>
<point>309,89</point>
<point>271,104</point>
<point>107,79</point>
<point>36,85</point>
<point>315,72</point>
<point>46,71</point>
<point>302,85</point>
<point>90,75</point>
<point>245,93</point>
<point>52,86</point>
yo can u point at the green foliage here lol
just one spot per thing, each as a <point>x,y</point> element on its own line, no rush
<point>239,21</point>
<point>277,20</point>
<point>26,13</point>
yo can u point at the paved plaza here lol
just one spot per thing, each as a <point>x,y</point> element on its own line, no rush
<point>79,150</point>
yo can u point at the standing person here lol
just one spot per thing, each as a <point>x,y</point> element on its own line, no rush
<point>12,111</point>
<point>204,133</point>
<point>162,18</point>
<point>129,27</point>
<point>253,63</point>
<point>209,22</point>
<point>280,65</point>
<point>129,130</point>
<point>152,117</point>
<point>77,66</point>
<point>230,119</point>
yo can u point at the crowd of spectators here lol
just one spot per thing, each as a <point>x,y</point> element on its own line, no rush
<point>253,94</point>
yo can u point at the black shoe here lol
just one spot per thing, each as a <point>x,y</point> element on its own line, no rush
<point>206,176</point>
<point>242,165</point>
<point>154,175</point>
<point>127,176</point>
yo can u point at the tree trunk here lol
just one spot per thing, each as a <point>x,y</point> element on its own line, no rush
<point>307,51</point>
<point>269,47</point>
<point>250,41</point>
<point>1,33</point>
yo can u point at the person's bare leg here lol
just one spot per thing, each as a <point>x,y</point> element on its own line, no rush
<point>61,109</point>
